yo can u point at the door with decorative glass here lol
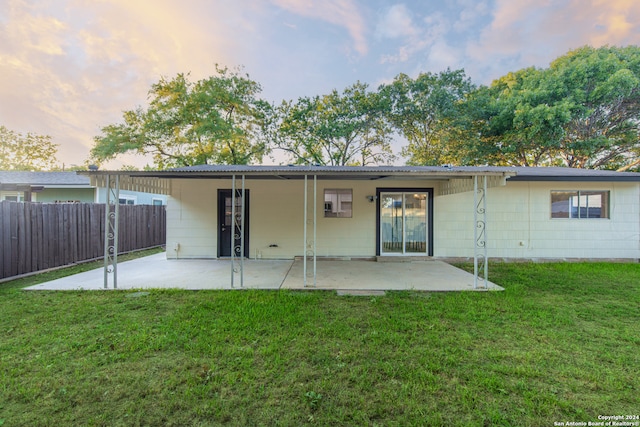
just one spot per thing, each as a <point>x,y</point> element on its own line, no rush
<point>230,228</point>
<point>404,223</point>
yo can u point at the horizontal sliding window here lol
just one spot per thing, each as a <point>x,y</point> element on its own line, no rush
<point>579,204</point>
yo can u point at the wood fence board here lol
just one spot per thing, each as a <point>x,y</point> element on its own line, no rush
<point>6,235</point>
<point>13,232</point>
<point>62,256</point>
<point>95,239</point>
<point>29,249</point>
<point>36,236</point>
<point>45,231</point>
<point>21,235</point>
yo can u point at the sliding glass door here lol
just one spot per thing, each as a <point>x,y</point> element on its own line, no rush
<point>403,223</point>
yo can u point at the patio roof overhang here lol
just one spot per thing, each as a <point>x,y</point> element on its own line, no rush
<point>455,179</point>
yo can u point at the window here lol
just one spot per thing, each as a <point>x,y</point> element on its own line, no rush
<point>156,202</point>
<point>337,203</point>
<point>127,200</point>
<point>580,204</point>
<point>11,198</point>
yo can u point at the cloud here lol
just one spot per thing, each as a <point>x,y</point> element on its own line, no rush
<point>343,13</point>
<point>416,37</point>
<point>442,56</point>
<point>471,11</point>
<point>396,22</point>
<point>70,68</point>
<point>533,32</point>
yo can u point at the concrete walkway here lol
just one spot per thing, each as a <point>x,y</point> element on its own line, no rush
<point>155,272</point>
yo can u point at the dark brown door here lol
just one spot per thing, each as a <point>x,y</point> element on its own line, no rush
<point>230,229</point>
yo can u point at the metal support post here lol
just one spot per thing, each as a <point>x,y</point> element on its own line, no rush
<point>233,228</point>
<point>111,221</point>
<point>315,229</point>
<point>304,235</point>
<point>480,259</point>
<point>237,231</point>
<point>309,248</point>
<point>242,211</point>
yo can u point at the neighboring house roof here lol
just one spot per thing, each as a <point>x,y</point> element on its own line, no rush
<point>37,181</point>
<point>45,179</point>
<point>23,181</point>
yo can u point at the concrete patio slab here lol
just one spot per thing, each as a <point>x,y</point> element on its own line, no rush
<point>157,272</point>
<point>426,275</point>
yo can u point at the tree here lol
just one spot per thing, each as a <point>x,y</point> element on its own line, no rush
<point>602,88</point>
<point>583,111</point>
<point>423,109</point>
<point>345,128</point>
<point>514,122</point>
<point>28,152</point>
<point>212,121</point>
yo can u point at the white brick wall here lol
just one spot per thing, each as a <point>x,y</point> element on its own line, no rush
<point>519,221</point>
<point>520,224</point>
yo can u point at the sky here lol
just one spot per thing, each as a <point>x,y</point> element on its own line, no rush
<point>70,67</point>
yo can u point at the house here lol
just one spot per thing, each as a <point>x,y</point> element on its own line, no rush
<point>282,212</point>
<point>64,187</point>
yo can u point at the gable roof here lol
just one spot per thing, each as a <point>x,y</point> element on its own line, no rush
<point>46,179</point>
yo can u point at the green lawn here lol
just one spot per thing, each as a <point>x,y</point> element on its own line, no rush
<point>561,343</point>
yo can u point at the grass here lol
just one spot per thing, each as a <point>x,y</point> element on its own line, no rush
<point>560,344</point>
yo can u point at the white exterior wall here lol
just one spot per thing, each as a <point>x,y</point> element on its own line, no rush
<point>519,221</point>
<point>275,218</point>
<point>191,220</point>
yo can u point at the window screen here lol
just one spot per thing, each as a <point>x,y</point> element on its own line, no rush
<point>579,204</point>
<point>337,203</point>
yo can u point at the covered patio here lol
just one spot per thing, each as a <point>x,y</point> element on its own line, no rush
<point>225,219</point>
<point>157,272</point>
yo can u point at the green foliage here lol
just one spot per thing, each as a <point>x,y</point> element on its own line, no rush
<point>602,86</point>
<point>423,110</point>
<point>583,111</point>
<point>214,120</point>
<point>512,122</point>
<point>28,152</point>
<point>345,128</point>
<point>313,399</point>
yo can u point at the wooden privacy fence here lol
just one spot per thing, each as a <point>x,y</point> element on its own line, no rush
<point>38,236</point>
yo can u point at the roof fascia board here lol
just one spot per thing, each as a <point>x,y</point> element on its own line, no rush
<point>286,174</point>
<point>576,178</point>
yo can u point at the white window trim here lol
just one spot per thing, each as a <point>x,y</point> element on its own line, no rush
<point>607,204</point>
<point>338,208</point>
<point>19,196</point>
<point>127,197</point>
